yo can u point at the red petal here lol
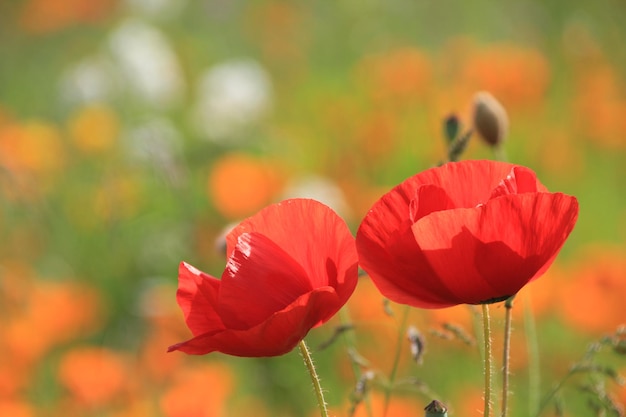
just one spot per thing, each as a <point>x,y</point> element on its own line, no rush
<point>428,198</point>
<point>308,231</point>
<point>278,335</point>
<point>388,251</point>
<point>467,183</point>
<point>197,297</point>
<point>520,180</point>
<point>494,250</point>
<point>260,279</point>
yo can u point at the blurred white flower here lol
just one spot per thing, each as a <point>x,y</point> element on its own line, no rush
<point>147,62</point>
<point>231,97</point>
<point>321,189</point>
<point>90,80</point>
<point>156,9</point>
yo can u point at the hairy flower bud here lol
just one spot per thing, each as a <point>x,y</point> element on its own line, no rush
<point>490,118</point>
<point>436,408</point>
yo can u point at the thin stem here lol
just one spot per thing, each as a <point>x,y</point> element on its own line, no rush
<point>508,304</point>
<point>308,361</point>
<point>350,342</point>
<point>499,153</point>
<point>534,376</point>
<point>555,389</point>
<point>396,359</point>
<point>487,340</point>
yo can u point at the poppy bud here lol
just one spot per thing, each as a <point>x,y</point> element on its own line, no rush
<point>435,408</point>
<point>490,118</point>
<point>451,127</point>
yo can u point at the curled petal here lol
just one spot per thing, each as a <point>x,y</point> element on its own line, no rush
<point>520,180</point>
<point>197,298</point>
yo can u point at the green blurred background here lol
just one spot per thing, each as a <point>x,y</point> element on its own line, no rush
<point>132,133</point>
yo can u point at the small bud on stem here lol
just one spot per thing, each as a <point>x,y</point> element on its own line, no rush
<point>435,409</point>
<point>490,119</point>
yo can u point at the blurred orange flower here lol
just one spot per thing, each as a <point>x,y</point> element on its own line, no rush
<point>599,107</point>
<point>376,136</point>
<point>403,74</point>
<point>470,401</point>
<point>15,408</point>
<point>277,27</point>
<point>94,128</point>
<point>34,330</point>
<point>516,75</point>
<point>399,406</point>
<point>240,184</point>
<point>198,392</point>
<point>44,16</point>
<point>593,299</point>
<point>93,376</point>
<point>32,147</point>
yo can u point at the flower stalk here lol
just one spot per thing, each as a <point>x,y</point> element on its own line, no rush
<point>396,359</point>
<point>508,305</point>
<point>487,359</point>
<point>308,361</point>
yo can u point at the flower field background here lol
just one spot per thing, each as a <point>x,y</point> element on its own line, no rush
<point>133,133</point>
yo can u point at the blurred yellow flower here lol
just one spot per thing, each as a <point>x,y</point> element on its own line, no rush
<point>94,129</point>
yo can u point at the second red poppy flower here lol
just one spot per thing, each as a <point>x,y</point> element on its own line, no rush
<point>467,232</point>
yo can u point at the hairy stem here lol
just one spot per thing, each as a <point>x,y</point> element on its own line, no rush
<point>508,304</point>
<point>487,361</point>
<point>308,361</point>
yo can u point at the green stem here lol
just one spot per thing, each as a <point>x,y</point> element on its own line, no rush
<point>308,361</point>
<point>499,153</point>
<point>508,304</point>
<point>553,392</point>
<point>534,376</point>
<point>487,340</point>
<point>350,342</point>
<point>396,359</point>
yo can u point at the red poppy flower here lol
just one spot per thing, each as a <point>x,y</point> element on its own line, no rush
<point>290,268</point>
<point>467,232</point>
